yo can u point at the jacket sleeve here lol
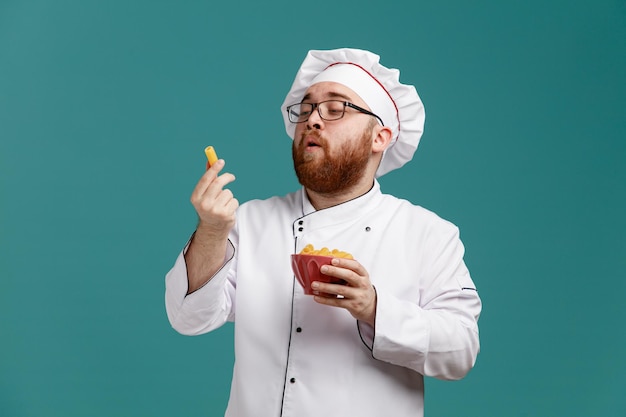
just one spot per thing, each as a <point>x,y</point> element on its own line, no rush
<point>436,336</point>
<point>205,309</point>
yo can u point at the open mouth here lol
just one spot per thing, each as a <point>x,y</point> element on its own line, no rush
<point>312,141</point>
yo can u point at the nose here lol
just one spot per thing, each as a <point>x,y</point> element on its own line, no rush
<point>315,121</point>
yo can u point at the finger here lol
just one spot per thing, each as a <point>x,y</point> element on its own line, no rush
<point>349,276</point>
<point>326,299</point>
<point>333,290</point>
<point>330,300</point>
<point>324,294</point>
<point>212,174</point>
<point>215,187</point>
<point>221,205</point>
<point>225,204</point>
<point>350,264</point>
<point>223,180</point>
<point>217,207</point>
<point>207,178</point>
<point>223,197</point>
<point>231,208</point>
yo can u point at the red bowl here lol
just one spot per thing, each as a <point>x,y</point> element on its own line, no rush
<point>307,269</point>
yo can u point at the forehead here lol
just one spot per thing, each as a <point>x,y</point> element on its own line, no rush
<point>327,90</point>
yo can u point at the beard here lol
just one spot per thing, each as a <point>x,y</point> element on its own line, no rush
<point>332,173</point>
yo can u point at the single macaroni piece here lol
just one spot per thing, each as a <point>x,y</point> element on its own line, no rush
<point>310,250</point>
<point>210,155</point>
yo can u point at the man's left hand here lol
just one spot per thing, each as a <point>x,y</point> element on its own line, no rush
<point>358,295</point>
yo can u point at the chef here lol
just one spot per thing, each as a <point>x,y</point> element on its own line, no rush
<point>408,309</point>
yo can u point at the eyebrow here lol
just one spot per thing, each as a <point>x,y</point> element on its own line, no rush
<point>331,95</point>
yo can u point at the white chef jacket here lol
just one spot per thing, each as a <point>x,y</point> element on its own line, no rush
<point>297,358</point>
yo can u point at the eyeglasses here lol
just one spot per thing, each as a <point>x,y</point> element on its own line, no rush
<point>328,110</point>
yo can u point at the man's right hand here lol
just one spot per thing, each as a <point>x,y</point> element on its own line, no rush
<point>216,208</point>
<point>215,205</point>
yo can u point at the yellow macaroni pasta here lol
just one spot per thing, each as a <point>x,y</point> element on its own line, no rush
<point>310,250</point>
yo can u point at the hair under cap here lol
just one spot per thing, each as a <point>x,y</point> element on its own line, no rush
<point>398,105</point>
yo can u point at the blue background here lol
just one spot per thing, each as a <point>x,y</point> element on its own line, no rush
<point>106,107</point>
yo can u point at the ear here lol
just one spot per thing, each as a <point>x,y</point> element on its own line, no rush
<point>382,138</point>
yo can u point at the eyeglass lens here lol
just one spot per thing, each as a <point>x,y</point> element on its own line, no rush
<point>328,110</point>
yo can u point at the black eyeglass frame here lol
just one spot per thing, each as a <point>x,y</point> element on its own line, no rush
<point>345,104</point>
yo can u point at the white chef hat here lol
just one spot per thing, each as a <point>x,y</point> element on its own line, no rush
<point>398,105</point>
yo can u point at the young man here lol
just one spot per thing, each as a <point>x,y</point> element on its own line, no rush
<point>409,308</point>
